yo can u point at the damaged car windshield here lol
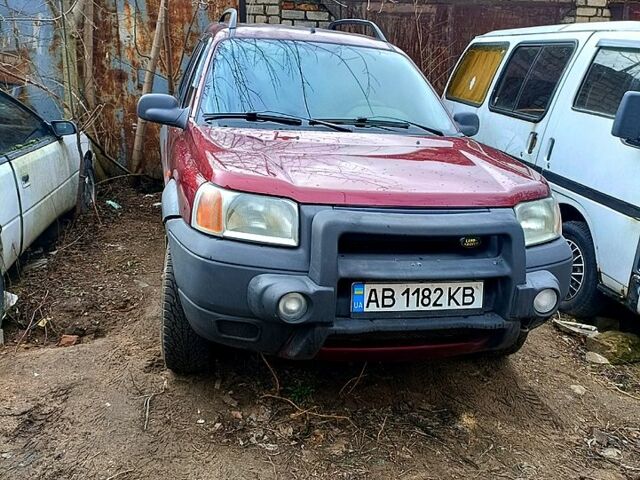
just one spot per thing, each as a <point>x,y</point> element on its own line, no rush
<point>321,81</point>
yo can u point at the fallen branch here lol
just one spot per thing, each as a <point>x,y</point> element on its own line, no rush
<point>33,316</point>
<point>110,179</point>
<point>123,472</point>
<point>147,404</point>
<point>356,379</point>
<point>302,411</point>
<point>273,374</point>
<point>609,384</point>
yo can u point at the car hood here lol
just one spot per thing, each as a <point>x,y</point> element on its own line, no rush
<point>363,168</point>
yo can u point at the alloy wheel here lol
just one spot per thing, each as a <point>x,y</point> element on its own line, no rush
<point>577,270</point>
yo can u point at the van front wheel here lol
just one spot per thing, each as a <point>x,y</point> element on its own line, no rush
<point>583,299</point>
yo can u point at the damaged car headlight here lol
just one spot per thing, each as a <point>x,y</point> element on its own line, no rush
<point>245,216</point>
<point>540,220</point>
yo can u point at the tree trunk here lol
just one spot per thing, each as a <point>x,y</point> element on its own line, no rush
<point>168,51</point>
<point>136,165</point>
<point>87,39</point>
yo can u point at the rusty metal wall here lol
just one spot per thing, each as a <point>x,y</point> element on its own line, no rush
<point>123,36</point>
<point>32,49</point>
<point>30,55</point>
<point>434,33</point>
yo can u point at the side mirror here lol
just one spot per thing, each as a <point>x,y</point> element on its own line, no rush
<point>62,128</point>
<point>163,109</point>
<point>627,122</point>
<point>468,122</point>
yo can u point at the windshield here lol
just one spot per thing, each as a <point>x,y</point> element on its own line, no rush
<point>320,81</point>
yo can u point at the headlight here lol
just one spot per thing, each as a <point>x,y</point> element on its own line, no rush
<point>245,216</point>
<point>540,220</point>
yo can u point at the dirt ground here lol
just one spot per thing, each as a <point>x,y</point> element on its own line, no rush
<point>105,408</point>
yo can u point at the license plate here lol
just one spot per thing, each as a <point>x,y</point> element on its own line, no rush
<point>406,297</point>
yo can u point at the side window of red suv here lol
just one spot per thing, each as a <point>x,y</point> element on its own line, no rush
<point>188,84</point>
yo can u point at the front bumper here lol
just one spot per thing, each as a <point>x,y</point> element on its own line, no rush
<point>230,290</point>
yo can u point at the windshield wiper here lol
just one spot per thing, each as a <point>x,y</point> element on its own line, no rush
<point>254,117</point>
<point>269,116</point>
<point>388,122</point>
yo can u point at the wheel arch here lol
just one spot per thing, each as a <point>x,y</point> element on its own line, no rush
<point>89,156</point>
<point>571,211</point>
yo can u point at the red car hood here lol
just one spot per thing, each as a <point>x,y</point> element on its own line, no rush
<point>363,168</point>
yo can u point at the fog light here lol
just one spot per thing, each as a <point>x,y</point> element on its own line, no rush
<point>545,301</point>
<point>292,307</point>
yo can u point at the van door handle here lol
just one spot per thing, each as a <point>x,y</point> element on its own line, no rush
<point>25,181</point>
<point>547,157</point>
<point>531,143</point>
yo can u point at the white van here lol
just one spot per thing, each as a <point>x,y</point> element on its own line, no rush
<point>565,100</point>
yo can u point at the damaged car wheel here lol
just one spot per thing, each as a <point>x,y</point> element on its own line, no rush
<point>89,188</point>
<point>184,351</point>
<point>1,299</point>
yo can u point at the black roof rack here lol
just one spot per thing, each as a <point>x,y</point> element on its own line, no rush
<point>359,21</point>
<point>233,17</point>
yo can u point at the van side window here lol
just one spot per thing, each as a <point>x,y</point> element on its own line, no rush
<point>529,80</point>
<point>614,72</point>
<point>474,74</point>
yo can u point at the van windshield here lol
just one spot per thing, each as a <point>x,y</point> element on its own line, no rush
<point>322,81</point>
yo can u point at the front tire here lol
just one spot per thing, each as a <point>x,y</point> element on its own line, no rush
<point>1,299</point>
<point>184,351</point>
<point>89,187</point>
<point>583,299</point>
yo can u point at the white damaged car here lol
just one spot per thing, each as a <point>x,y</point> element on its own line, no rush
<point>39,172</point>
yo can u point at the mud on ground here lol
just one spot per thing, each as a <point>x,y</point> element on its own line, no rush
<point>105,408</point>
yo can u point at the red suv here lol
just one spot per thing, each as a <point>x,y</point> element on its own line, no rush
<point>321,203</point>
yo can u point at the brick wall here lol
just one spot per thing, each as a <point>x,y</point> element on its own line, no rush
<point>590,11</point>
<point>312,13</point>
<point>308,13</point>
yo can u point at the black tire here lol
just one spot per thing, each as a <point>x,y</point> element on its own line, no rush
<point>1,298</point>
<point>584,299</point>
<point>184,351</point>
<point>517,345</point>
<point>89,188</point>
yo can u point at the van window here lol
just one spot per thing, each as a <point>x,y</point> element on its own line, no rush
<point>529,80</point>
<point>471,80</point>
<point>614,72</point>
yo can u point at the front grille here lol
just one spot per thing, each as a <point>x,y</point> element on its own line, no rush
<point>360,243</point>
